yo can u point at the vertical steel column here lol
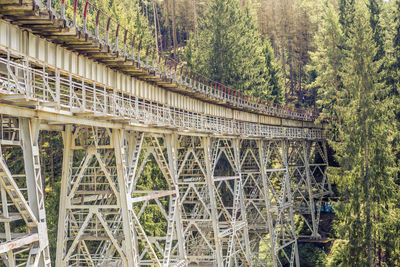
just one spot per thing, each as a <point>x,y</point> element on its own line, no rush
<point>124,197</point>
<point>213,203</point>
<point>11,259</point>
<point>172,150</point>
<point>285,148</point>
<point>133,149</point>
<point>30,146</point>
<point>236,149</point>
<point>267,198</point>
<point>62,214</point>
<point>325,159</point>
<point>306,155</point>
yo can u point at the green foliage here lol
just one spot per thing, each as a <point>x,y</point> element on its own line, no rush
<point>272,76</point>
<point>396,38</point>
<point>229,49</point>
<point>352,94</point>
<point>336,255</point>
<point>311,255</point>
<point>264,252</point>
<point>51,149</point>
<point>374,7</point>
<point>128,15</point>
<point>346,15</point>
<point>327,62</point>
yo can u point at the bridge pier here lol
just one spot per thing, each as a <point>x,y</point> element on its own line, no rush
<point>102,176</point>
<point>22,195</point>
<point>36,186</point>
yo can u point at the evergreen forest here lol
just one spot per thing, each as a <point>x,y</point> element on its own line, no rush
<point>339,57</point>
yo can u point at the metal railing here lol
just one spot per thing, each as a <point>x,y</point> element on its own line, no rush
<point>35,81</point>
<point>97,25</point>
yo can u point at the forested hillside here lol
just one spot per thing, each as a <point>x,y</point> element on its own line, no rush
<point>341,57</point>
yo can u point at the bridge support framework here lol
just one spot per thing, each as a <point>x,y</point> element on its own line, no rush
<point>221,199</point>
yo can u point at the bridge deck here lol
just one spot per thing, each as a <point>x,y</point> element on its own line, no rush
<point>62,97</point>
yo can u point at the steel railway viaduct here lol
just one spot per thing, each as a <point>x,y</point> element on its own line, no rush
<point>237,171</point>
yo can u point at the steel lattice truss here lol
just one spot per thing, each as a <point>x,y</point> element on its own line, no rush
<point>220,199</point>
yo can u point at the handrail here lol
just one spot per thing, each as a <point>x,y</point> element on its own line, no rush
<point>75,94</point>
<point>167,67</point>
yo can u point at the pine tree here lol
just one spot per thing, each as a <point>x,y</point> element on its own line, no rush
<point>396,39</point>
<point>346,15</point>
<point>228,48</point>
<point>375,10</point>
<point>350,89</point>
<point>272,76</point>
<point>327,62</point>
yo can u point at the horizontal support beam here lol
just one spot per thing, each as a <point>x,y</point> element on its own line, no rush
<point>152,196</point>
<point>12,217</point>
<point>225,178</point>
<point>17,243</point>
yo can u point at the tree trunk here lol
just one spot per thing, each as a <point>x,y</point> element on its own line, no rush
<point>175,41</point>
<point>167,25</point>
<point>155,24</point>
<point>194,17</point>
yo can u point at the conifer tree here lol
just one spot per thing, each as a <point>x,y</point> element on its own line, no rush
<point>365,179</point>
<point>228,48</point>
<point>272,76</point>
<point>346,15</point>
<point>327,62</point>
<point>396,39</point>
<point>375,9</point>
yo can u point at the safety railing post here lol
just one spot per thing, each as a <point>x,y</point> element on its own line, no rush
<point>176,65</point>
<point>165,66</point>
<point>147,55</point>
<point>105,100</point>
<point>96,34</point>
<point>94,98</point>
<point>125,37</point>
<point>116,47</point>
<point>85,16</point>
<point>62,11</point>
<point>180,74</point>
<point>133,47</point>
<point>71,89</point>
<point>138,52</point>
<point>75,10</point>
<point>153,59</point>
<point>107,30</point>
<point>159,64</point>
<point>83,95</point>
<point>58,94</point>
